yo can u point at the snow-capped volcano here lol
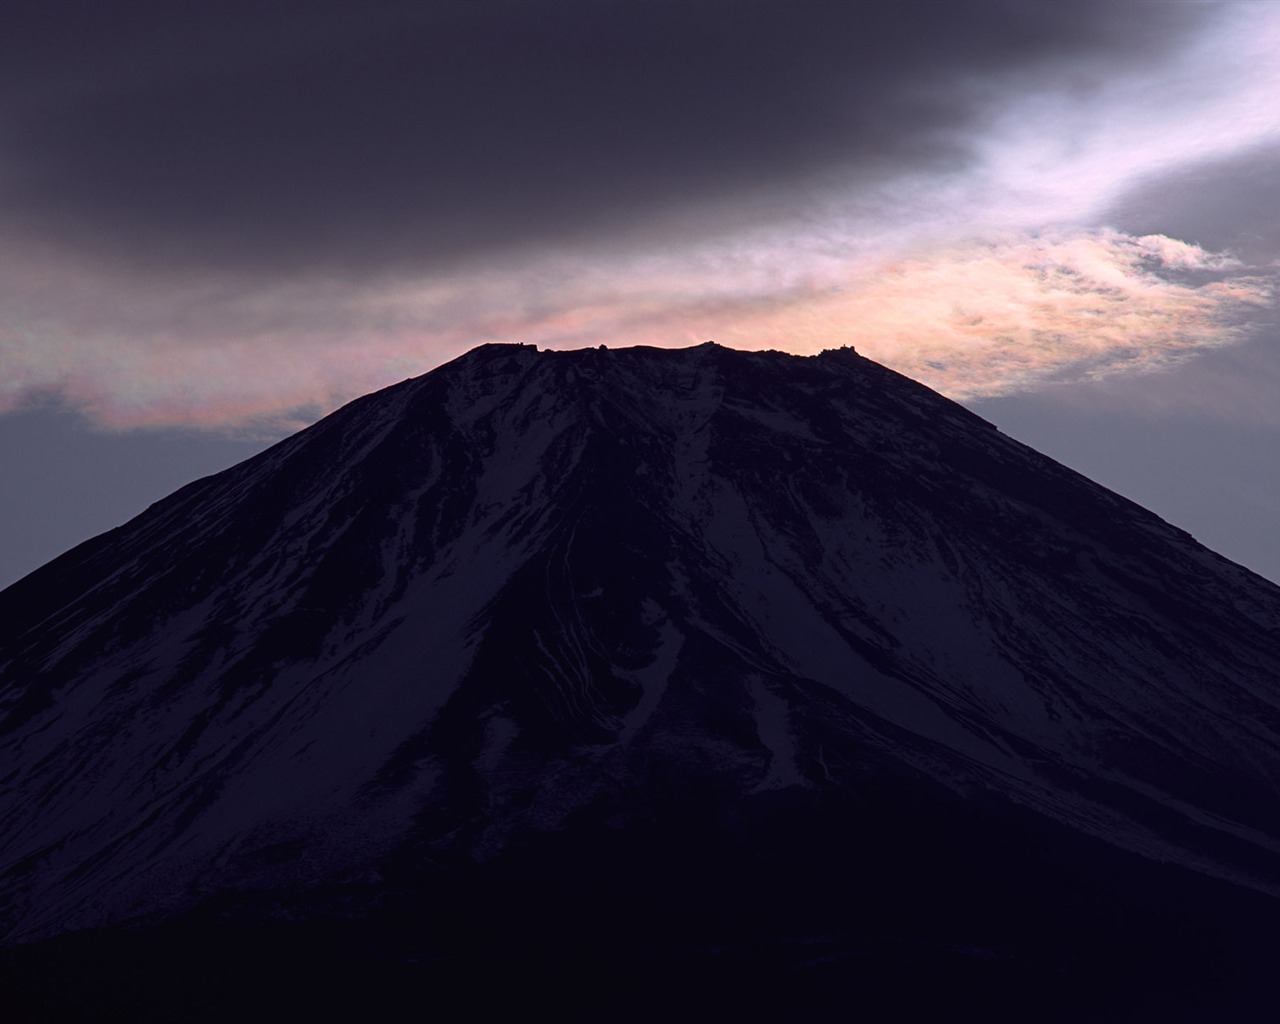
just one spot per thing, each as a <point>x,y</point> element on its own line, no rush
<point>622,595</point>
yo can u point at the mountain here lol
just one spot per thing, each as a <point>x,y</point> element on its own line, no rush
<point>746,674</point>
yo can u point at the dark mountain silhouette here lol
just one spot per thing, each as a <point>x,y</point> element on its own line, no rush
<point>706,680</point>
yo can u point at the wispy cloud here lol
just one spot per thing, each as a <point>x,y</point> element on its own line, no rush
<point>975,319</point>
<point>999,317</point>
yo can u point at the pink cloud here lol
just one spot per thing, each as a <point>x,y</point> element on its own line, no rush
<point>974,319</point>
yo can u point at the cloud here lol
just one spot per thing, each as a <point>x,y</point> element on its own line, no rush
<point>1228,203</point>
<point>361,137</point>
<point>975,319</point>
<point>1001,317</point>
<point>972,320</point>
<point>206,228</point>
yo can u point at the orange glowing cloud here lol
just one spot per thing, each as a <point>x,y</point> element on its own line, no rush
<point>972,320</point>
<point>995,318</point>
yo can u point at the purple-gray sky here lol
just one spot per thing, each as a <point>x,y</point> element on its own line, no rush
<point>218,221</point>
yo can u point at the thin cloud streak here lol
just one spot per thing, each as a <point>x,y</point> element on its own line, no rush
<point>979,319</point>
<point>1066,154</point>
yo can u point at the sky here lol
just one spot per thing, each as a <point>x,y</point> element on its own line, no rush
<point>220,221</point>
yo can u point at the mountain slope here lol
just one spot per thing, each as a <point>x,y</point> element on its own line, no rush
<point>647,599</point>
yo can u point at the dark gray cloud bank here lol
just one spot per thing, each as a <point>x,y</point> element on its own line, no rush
<point>376,135</point>
<point>1232,204</point>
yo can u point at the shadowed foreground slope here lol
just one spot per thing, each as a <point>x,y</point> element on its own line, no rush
<point>722,676</point>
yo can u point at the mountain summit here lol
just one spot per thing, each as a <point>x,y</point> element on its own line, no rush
<point>735,665</point>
